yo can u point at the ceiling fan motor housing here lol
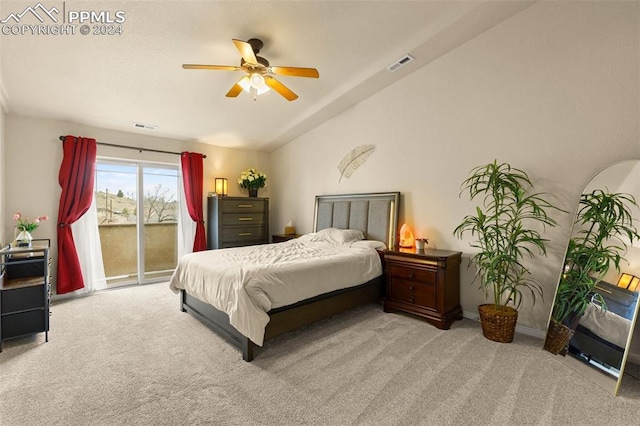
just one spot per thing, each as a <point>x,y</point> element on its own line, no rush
<point>261,61</point>
<point>256,44</point>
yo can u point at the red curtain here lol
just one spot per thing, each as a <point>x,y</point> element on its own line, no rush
<point>76,178</point>
<point>192,177</point>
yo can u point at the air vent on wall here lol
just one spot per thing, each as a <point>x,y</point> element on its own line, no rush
<point>400,63</point>
<point>145,126</point>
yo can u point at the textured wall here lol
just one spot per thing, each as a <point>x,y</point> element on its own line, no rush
<point>554,90</point>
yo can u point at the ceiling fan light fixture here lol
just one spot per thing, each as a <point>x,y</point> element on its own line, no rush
<point>257,82</point>
<point>245,83</point>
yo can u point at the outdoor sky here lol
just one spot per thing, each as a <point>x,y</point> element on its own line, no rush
<point>116,177</point>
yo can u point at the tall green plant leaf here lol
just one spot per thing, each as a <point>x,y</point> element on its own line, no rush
<point>505,232</point>
<point>602,220</point>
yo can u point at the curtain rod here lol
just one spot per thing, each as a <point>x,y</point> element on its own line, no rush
<point>137,148</point>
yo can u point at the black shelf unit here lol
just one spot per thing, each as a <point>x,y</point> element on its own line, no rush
<point>24,290</point>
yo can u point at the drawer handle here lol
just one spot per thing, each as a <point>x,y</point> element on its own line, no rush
<point>411,287</point>
<point>412,275</point>
<point>245,234</point>
<point>246,206</point>
<point>245,218</point>
<point>412,299</point>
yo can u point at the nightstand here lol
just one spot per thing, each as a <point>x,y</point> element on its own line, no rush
<point>424,283</point>
<point>280,238</point>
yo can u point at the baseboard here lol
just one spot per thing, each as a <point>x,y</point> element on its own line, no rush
<point>533,332</point>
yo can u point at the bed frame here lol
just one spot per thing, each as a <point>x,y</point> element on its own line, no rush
<point>587,345</point>
<point>375,214</point>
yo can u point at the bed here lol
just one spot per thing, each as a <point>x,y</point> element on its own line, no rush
<point>601,335</point>
<point>250,273</point>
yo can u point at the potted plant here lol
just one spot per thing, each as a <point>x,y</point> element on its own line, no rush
<point>602,220</point>
<point>506,229</point>
<point>252,179</point>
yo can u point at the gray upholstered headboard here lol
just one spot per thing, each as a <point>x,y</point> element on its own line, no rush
<point>375,214</point>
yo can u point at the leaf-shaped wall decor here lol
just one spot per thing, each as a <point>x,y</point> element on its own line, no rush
<point>354,159</point>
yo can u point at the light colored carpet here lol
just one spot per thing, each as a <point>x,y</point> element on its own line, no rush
<point>129,356</point>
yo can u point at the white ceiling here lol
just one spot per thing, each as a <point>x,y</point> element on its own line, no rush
<point>112,81</point>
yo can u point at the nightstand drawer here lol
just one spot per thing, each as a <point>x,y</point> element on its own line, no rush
<point>24,323</point>
<point>414,292</point>
<point>243,206</point>
<point>242,219</point>
<point>35,267</point>
<point>21,299</point>
<point>414,274</point>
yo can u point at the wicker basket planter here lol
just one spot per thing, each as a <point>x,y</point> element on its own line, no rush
<point>498,325</point>
<point>558,337</point>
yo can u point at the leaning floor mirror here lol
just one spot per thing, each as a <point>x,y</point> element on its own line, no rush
<point>596,303</point>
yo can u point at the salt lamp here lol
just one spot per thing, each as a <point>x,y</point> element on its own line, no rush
<point>406,236</point>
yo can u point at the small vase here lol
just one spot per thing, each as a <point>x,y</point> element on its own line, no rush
<point>253,193</point>
<point>24,239</point>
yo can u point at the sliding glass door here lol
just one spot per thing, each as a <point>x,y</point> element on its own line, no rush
<point>137,219</point>
<point>160,222</point>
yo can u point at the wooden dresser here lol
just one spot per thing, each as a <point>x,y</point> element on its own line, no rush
<point>237,221</point>
<point>424,283</point>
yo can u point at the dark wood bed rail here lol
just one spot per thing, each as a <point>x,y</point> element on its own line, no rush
<point>287,318</point>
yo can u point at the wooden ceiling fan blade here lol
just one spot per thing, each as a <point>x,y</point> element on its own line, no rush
<point>246,51</point>
<point>280,88</point>
<point>296,72</point>
<point>237,88</point>
<point>210,67</point>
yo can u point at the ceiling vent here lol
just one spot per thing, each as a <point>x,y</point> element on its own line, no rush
<point>145,126</point>
<point>400,63</point>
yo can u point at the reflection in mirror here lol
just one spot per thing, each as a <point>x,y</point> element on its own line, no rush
<point>596,302</point>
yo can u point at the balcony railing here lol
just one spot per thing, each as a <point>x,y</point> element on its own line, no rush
<point>119,249</point>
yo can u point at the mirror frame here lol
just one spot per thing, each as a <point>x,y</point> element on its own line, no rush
<point>574,365</point>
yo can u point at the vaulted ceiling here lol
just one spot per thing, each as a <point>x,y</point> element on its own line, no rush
<point>114,81</point>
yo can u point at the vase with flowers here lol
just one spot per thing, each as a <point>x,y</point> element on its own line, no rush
<point>252,180</point>
<point>26,226</point>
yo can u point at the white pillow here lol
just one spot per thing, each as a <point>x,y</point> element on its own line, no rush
<point>377,245</point>
<point>337,236</point>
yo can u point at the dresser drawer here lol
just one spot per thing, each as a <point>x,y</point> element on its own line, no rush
<point>20,299</point>
<point>242,219</point>
<point>244,234</point>
<point>414,274</point>
<point>243,206</point>
<point>414,292</point>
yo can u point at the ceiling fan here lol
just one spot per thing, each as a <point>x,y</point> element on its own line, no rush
<point>260,75</point>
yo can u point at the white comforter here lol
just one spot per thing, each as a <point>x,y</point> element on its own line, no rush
<point>247,282</point>
<point>606,325</point>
